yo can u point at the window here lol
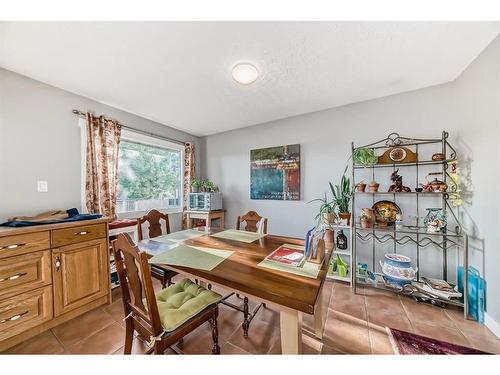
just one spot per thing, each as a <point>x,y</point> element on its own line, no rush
<point>149,174</point>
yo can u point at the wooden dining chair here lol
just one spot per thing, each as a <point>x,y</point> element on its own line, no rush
<point>166,317</point>
<point>252,221</point>
<point>154,218</point>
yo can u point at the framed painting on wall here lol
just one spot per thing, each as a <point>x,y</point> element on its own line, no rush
<point>275,173</point>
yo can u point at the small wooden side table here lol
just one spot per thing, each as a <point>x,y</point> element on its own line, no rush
<point>208,216</point>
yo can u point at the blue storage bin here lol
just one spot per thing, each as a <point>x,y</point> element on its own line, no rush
<point>476,292</point>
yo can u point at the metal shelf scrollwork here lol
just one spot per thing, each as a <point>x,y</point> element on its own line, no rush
<point>426,241</point>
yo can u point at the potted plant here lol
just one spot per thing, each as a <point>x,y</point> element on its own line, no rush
<point>195,185</point>
<point>360,187</point>
<point>365,220</point>
<point>364,156</point>
<point>326,212</point>
<point>342,196</point>
<point>208,186</point>
<point>373,186</point>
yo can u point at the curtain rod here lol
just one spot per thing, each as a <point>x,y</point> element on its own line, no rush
<point>83,114</point>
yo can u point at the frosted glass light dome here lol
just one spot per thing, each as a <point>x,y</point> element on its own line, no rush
<point>245,73</point>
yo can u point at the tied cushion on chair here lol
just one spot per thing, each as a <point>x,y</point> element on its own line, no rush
<point>180,302</point>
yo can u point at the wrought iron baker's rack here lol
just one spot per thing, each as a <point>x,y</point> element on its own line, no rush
<point>416,234</point>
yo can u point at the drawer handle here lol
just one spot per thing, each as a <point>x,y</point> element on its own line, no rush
<point>58,263</point>
<point>82,233</point>
<point>13,277</point>
<point>15,317</point>
<point>13,246</point>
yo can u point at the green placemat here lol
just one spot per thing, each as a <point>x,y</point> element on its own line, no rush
<point>202,258</point>
<point>239,235</point>
<point>180,236</point>
<point>309,269</point>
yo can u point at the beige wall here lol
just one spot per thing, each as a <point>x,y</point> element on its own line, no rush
<point>40,140</point>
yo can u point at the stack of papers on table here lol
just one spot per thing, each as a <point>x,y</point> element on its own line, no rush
<point>288,254</point>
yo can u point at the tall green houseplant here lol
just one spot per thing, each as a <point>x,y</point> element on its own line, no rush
<point>342,194</point>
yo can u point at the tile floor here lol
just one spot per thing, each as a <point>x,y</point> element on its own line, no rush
<point>354,325</point>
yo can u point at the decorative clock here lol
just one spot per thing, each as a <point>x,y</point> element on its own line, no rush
<point>397,155</point>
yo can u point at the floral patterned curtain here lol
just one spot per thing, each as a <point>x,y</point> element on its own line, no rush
<point>189,171</point>
<point>103,140</point>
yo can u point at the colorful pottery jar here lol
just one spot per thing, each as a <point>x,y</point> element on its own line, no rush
<point>435,220</point>
<point>397,269</point>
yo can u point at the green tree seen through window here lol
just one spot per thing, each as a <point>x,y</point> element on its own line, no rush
<point>148,172</point>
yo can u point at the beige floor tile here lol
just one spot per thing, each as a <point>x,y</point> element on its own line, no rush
<point>199,341</point>
<point>426,313</point>
<point>306,349</point>
<point>346,333</point>
<point>268,315</point>
<point>115,309</point>
<point>229,348</point>
<point>227,323</point>
<point>106,341</point>
<point>261,337</point>
<point>82,326</point>
<point>139,346</point>
<point>384,303</point>
<point>384,318</point>
<point>44,343</point>
<point>345,301</point>
<point>328,350</point>
<point>379,340</point>
<point>451,335</point>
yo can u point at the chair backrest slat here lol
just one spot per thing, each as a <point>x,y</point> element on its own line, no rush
<point>135,282</point>
<point>251,219</point>
<point>153,218</point>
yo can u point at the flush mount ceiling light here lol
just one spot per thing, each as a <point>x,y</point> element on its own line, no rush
<point>245,73</point>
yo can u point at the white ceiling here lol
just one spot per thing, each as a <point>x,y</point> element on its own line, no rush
<point>179,73</point>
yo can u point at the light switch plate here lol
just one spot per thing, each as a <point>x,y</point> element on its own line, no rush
<point>43,186</point>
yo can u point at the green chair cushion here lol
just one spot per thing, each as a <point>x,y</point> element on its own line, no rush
<point>180,302</point>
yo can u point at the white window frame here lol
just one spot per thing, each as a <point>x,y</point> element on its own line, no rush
<point>137,138</point>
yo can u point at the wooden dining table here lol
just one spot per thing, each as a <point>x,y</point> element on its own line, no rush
<point>290,294</point>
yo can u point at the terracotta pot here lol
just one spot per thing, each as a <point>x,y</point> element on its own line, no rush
<point>360,187</point>
<point>329,239</point>
<point>370,213</point>
<point>373,187</point>
<point>345,215</point>
<point>329,218</point>
<point>366,223</point>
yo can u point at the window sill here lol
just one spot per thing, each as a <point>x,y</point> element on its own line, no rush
<point>137,214</point>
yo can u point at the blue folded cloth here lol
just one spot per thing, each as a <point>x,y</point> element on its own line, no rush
<point>73,215</point>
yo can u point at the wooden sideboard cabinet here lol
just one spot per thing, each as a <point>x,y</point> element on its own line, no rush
<point>50,274</point>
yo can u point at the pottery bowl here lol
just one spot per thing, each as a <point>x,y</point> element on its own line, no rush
<point>397,260</point>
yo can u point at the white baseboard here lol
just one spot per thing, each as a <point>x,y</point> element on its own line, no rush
<point>492,324</point>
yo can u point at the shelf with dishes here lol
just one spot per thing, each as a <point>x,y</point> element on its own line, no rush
<point>399,276</point>
<point>408,291</point>
<point>420,193</point>
<point>426,222</point>
<point>409,164</point>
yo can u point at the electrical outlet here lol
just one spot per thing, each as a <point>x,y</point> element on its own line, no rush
<point>43,186</point>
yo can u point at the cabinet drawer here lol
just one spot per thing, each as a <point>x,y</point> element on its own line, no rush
<point>25,311</point>
<point>26,272</point>
<point>68,236</point>
<point>23,243</point>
